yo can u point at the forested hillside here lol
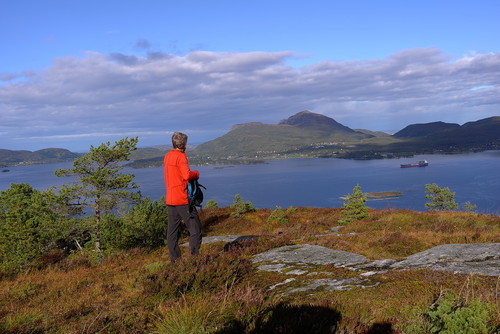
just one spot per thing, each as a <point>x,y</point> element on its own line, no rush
<point>48,155</point>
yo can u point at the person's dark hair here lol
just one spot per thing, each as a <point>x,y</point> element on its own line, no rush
<point>179,140</point>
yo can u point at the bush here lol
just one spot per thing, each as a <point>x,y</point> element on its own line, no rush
<point>354,206</point>
<point>240,207</point>
<point>449,315</point>
<point>469,207</point>
<point>211,204</point>
<point>440,199</point>
<point>31,223</point>
<point>143,225</point>
<point>278,215</point>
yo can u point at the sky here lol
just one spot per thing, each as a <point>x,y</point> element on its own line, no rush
<point>80,73</point>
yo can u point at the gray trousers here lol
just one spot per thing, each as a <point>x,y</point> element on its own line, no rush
<point>189,215</point>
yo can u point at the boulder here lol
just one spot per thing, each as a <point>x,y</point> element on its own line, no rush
<point>481,259</point>
<point>310,254</point>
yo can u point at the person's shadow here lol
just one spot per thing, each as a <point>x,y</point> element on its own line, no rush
<point>284,318</point>
<point>301,319</point>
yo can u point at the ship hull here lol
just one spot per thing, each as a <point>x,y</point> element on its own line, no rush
<point>418,164</point>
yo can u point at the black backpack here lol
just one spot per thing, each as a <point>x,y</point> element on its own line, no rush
<point>195,195</point>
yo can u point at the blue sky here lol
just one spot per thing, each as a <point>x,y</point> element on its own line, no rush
<point>79,73</point>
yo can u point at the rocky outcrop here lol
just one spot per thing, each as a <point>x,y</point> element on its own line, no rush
<point>302,260</point>
<point>310,254</point>
<point>481,259</point>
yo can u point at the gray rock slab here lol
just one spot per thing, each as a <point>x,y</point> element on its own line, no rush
<point>482,259</point>
<point>377,265</point>
<point>276,267</point>
<point>332,284</point>
<point>487,268</point>
<point>224,238</point>
<point>310,254</point>
<point>220,238</point>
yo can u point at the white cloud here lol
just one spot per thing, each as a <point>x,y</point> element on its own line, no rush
<point>208,92</point>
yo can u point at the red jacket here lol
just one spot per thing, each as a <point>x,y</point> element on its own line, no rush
<point>176,173</point>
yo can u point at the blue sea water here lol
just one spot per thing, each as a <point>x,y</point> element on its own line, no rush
<point>474,177</point>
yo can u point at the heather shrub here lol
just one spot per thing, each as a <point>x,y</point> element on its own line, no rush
<point>197,274</point>
<point>237,308</point>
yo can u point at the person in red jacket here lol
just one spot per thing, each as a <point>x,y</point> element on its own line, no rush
<point>177,174</point>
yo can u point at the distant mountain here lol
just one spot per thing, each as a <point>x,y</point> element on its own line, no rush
<point>422,130</point>
<point>479,135</point>
<point>149,152</point>
<point>305,134</point>
<point>148,156</point>
<point>373,133</point>
<point>298,133</point>
<point>317,122</point>
<point>47,155</point>
<point>486,127</point>
<point>308,134</point>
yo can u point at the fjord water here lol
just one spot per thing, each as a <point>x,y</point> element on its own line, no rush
<point>474,177</point>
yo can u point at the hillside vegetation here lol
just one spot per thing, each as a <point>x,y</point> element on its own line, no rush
<point>137,290</point>
<point>90,257</point>
<point>312,135</point>
<point>48,155</point>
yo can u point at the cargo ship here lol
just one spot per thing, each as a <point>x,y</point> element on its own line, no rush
<point>421,163</point>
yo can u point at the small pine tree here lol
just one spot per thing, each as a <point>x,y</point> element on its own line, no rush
<point>240,207</point>
<point>211,204</point>
<point>101,186</point>
<point>469,207</point>
<point>440,199</point>
<point>278,215</point>
<point>354,206</point>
